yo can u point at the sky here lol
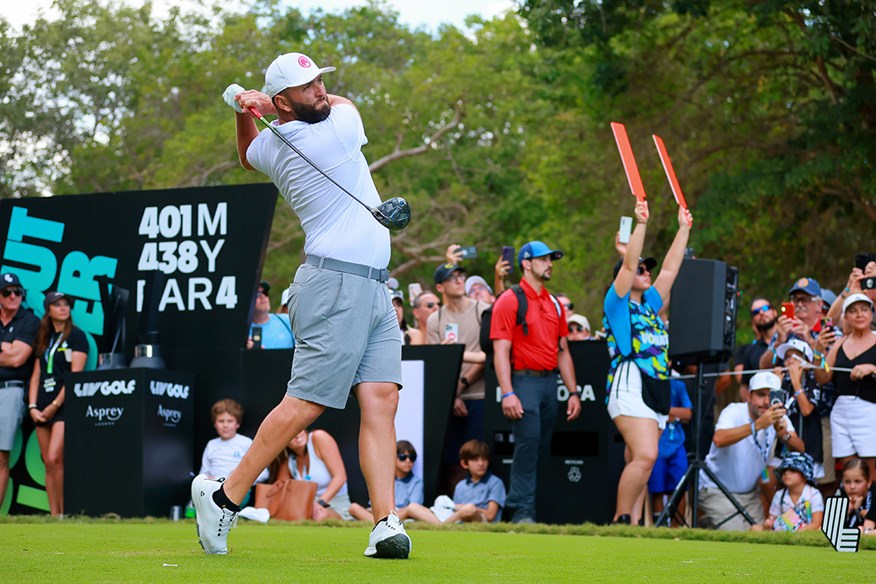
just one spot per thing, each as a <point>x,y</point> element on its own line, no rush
<point>414,13</point>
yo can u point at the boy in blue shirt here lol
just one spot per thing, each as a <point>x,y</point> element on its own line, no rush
<point>481,496</point>
<point>408,490</point>
<point>671,460</point>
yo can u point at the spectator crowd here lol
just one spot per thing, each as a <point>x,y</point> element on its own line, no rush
<point>801,428</point>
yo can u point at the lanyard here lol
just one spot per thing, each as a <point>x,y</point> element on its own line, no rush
<point>765,449</point>
<point>50,354</point>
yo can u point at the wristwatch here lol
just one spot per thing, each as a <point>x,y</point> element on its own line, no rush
<point>465,382</point>
<point>786,437</point>
<point>323,503</point>
<point>574,394</point>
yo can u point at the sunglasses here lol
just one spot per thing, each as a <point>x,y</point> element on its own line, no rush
<point>262,292</point>
<point>569,306</point>
<point>641,270</point>
<point>764,308</point>
<point>7,292</point>
<point>432,304</point>
<point>576,328</point>
<point>405,456</point>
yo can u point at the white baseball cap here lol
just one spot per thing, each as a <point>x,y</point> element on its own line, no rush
<point>796,344</point>
<point>580,319</point>
<point>472,280</point>
<point>764,380</point>
<point>291,70</point>
<point>856,297</point>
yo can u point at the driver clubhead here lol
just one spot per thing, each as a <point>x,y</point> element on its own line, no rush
<point>394,214</point>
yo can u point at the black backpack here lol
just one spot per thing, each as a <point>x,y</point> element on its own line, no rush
<point>522,307</point>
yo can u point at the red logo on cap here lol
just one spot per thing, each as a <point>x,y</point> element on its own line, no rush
<point>304,61</point>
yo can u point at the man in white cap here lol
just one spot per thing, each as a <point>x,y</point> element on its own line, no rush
<point>742,446</point>
<point>344,324</point>
<point>579,327</point>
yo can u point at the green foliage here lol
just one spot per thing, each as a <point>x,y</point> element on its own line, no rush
<point>499,133</point>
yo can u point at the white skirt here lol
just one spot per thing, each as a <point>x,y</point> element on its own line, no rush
<point>853,427</point>
<point>625,398</point>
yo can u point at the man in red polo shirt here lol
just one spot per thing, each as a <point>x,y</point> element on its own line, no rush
<point>527,358</point>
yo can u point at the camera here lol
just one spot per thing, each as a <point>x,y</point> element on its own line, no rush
<point>868,283</point>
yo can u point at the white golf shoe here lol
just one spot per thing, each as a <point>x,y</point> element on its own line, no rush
<point>389,540</point>
<point>214,522</point>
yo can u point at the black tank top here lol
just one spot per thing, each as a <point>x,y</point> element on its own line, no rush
<point>865,388</point>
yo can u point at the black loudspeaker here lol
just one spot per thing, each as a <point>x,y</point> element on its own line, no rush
<point>703,307</point>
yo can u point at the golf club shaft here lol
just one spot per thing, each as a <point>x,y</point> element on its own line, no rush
<point>288,143</point>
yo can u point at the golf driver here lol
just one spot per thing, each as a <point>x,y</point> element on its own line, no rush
<point>394,214</point>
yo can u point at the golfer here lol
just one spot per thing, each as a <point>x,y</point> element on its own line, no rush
<point>344,324</point>
<point>638,377</point>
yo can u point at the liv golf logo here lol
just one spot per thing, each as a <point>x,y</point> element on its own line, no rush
<point>843,539</point>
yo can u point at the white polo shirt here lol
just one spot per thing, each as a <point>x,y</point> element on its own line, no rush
<point>335,226</point>
<point>739,465</point>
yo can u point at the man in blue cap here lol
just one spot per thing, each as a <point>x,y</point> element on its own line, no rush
<point>805,295</point>
<point>527,356</point>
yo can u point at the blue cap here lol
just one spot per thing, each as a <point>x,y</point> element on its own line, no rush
<point>537,249</point>
<point>807,285</point>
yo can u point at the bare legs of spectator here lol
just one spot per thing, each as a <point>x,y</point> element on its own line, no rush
<point>51,440</point>
<point>412,511</point>
<point>286,420</point>
<point>4,473</point>
<point>466,512</point>
<point>378,403</point>
<point>641,436</point>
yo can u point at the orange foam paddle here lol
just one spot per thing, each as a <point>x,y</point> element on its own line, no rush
<point>670,172</point>
<point>626,153</point>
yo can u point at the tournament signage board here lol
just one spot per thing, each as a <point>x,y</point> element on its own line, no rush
<point>189,258</point>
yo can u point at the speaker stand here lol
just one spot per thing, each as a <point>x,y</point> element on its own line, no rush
<point>691,479</point>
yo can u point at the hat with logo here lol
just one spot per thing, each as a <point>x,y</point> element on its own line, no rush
<point>854,298</point>
<point>291,70</point>
<point>9,279</point>
<point>265,286</point>
<point>537,249</point>
<point>472,280</point>
<point>799,461</point>
<point>797,344</point>
<point>444,271</point>
<point>807,285</point>
<point>52,297</point>
<point>580,320</point>
<point>650,264</point>
<point>764,380</point>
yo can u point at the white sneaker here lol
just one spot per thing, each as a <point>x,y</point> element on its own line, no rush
<point>389,540</point>
<point>214,522</point>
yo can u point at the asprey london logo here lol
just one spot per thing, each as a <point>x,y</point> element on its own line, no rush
<point>843,539</point>
<point>176,390</point>
<point>118,387</point>
<point>171,417</point>
<point>104,416</point>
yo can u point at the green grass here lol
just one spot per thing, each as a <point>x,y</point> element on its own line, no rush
<point>86,550</point>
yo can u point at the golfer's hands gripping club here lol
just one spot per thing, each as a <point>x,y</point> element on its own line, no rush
<point>512,408</point>
<point>244,100</point>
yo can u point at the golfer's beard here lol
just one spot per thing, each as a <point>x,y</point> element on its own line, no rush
<point>309,113</point>
<point>545,275</point>
<point>767,325</point>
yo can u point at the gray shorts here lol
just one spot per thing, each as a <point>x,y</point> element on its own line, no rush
<point>346,333</point>
<point>11,413</point>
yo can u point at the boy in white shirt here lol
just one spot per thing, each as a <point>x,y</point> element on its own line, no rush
<point>222,454</point>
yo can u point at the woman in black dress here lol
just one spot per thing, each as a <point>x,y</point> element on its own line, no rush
<point>60,348</point>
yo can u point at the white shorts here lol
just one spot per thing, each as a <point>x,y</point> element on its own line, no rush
<point>852,428</point>
<point>625,398</point>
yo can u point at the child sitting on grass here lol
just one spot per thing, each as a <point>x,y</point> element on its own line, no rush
<point>481,496</point>
<point>408,490</point>
<point>798,506</point>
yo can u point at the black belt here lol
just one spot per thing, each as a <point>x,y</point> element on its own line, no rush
<point>14,384</point>
<point>381,275</point>
<point>534,373</point>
